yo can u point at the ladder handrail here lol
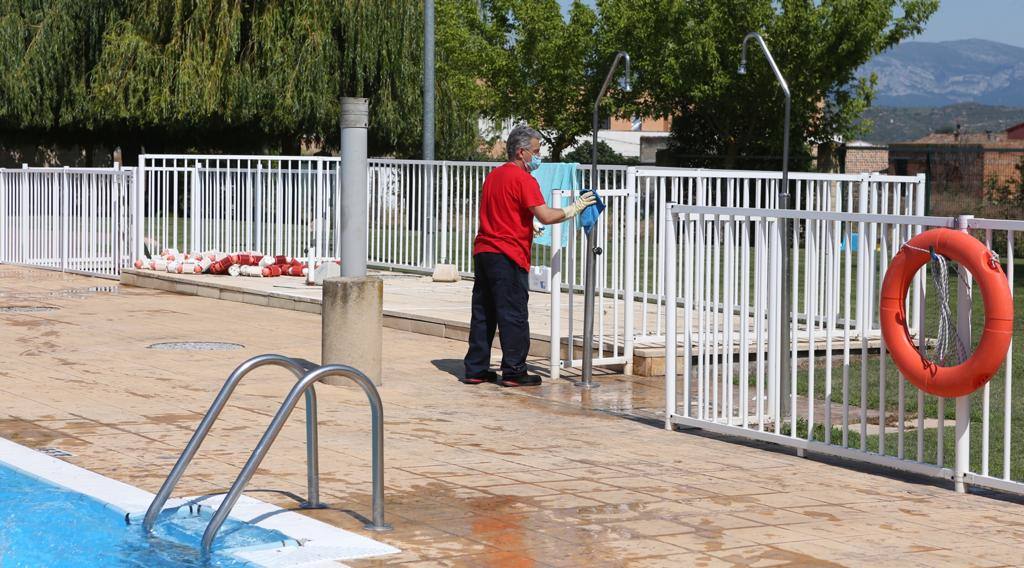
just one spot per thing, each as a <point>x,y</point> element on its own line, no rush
<point>303,385</point>
<point>210,417</point>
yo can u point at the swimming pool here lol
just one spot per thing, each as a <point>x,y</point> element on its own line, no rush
<point>42,524</point>
<point>53,513</point>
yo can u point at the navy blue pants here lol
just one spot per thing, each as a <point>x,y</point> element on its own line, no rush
<point>501,292</point>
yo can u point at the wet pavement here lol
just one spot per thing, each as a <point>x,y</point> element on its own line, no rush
<point>476,475</point>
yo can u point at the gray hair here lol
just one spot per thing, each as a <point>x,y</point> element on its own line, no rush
<point>520,137</point>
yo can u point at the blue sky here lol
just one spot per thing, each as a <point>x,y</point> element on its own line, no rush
<point>995,20</point>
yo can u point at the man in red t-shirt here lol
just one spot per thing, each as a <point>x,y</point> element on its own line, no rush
<point>510,201</point>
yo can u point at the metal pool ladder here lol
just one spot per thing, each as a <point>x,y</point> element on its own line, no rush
<point>307,375</point>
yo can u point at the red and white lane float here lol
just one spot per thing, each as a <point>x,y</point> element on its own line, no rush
<point>984,266</point>
<point>243,263</point>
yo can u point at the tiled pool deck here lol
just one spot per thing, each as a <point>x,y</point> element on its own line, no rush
<point>476,476</point>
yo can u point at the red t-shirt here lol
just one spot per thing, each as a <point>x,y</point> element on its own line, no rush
<point>506,222</point>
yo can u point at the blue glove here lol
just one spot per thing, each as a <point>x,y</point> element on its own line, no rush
<point>588,218</point>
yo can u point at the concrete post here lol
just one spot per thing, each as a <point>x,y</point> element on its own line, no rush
<point>352,234</point>
<point>353,305</point>
<point>353,325</point>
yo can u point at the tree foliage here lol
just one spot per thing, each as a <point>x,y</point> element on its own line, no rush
<point>686,54</point>
<point>225,74</point>
<point>541,68</point>
<point>582,154</point>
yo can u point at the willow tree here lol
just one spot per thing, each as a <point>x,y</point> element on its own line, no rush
<point>234,75</point>
<point>47,50</point>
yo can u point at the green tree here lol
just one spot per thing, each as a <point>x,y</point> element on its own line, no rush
<point>605,155</point>
<point>540,67</point>
<point>686,54</point>
<point>226,75</point>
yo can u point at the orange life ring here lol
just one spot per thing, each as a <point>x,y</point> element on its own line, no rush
<point>970,375</point>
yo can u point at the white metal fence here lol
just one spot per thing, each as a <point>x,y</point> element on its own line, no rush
<point>273,204</point>
<point>72,219</point>
<point>613,310</point>
<point>862,193</point>
<point>631,275</point>
<point>422,213</point>
<point>844,395</point>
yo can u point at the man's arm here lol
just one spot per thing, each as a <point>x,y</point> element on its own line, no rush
<point>552,215</point>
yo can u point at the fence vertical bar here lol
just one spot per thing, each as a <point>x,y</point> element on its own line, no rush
<point>444,215</point>
<point>629,298</point>
<point>863,274</point>
<point>63,218</point>
<point>24,213</point>
<point>669,252</point>
<point>1007,399</point>
<point>140,185</point>
<point>556,293</point>
<point>963,403</point>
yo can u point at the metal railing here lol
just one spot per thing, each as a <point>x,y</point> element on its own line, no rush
<point>307,375</point>
<point>721,274</point>
<point>299,369</point>
<point>301,387</point>
<point>68,219</point>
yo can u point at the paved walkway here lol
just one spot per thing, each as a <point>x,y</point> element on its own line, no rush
<point>476,476</point>
<point>447,312</point>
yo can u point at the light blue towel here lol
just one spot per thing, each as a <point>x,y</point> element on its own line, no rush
<point>552,176</point>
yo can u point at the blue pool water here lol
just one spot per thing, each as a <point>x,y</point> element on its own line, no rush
<point>42,524</point>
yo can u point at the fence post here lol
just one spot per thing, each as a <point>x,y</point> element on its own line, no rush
<point>62,217</point>
<point>194,197</point>
<point>444,213</point>
<point>117,188</point>
<point>669,264</point>
<point>555,288</point>
<point>4,214</point>
<point>630,255</point>
<point>427,222</point>
<point>964,293</point>
<point>140,207</point>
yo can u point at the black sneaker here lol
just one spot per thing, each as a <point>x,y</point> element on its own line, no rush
<point>487,377</point>
<point>520,380</point>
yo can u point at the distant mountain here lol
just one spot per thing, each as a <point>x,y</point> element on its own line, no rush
<point>902,124</point>
<point>925,74</point>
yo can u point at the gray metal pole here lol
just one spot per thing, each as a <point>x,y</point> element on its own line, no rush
<point>355,113</point>
<point>592,250</point>
<point>428,80</point>
<point>785,298</point>
<point>427,220</point>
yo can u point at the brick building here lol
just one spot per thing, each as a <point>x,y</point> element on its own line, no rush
<point>863,157</point>
<point>963,163</point>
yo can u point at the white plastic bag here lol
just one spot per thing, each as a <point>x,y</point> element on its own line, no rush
<point>540,279</point>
